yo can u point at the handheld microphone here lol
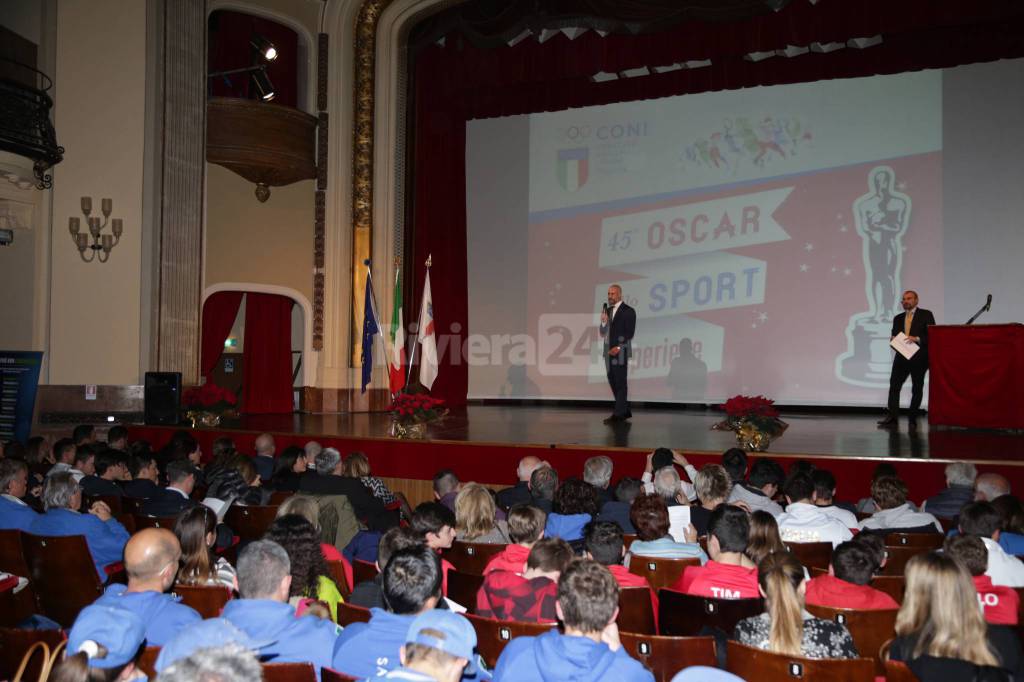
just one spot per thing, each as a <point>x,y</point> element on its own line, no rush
<point>988,303</point>
<point>604,307</point>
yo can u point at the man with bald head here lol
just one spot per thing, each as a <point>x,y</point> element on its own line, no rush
<point>988,487</point>
<point>520,492</point>
<point>151,560</point>
<point>264,460</point>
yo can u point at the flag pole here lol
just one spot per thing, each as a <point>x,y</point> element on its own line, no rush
<point>412,356</point>
<point>394,285</point>
<point>373,302</point>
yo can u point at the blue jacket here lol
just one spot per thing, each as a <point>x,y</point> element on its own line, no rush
<point>162,613</point>
<point>295,640</point>
<point>554,656</point>
<point>1012,543</point>
<point>371,649</point>
<point>569,527</point>
<point>14,516</point>
<point>106,540</point>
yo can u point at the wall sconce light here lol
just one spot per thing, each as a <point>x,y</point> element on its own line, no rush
<point>102,244</point>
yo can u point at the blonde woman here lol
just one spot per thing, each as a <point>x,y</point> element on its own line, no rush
<point>474,517</point>
<point>940,620</point>
<point>785,628</point>
<point>357,465</point>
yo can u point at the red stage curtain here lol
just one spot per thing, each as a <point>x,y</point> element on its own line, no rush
<point>219,314</point>
<point>457,81</point>
<point>267,378</point>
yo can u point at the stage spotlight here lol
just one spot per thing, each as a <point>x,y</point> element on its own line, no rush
<point>263,85</point>
<point>264,47</point>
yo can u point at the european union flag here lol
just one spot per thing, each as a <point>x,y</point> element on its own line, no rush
<point>371,327</point>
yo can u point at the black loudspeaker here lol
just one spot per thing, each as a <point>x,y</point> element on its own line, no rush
<point>162,397</point>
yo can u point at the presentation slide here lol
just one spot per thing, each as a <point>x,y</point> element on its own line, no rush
<point>764,236</point>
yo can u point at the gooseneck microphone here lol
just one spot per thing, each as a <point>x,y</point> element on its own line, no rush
<point>984,308</point>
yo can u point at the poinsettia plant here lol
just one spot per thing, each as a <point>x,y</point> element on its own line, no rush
<point>209,397</point>
<point>742,406</point>
<point>416,408</point>
<point>754,419</point>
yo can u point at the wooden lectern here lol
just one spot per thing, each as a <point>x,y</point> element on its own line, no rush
<point>977,375</point>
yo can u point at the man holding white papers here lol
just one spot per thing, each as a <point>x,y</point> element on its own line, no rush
<point>913,325</point>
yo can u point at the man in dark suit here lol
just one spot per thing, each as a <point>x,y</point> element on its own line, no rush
<point>618,323</point>
<point>145,475</point>
<point>914,323</point>
<point>327,480</point>
<point>108,468</point>
<point>181,479</point>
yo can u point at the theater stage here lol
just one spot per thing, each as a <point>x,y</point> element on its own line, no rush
<point>484,442</point>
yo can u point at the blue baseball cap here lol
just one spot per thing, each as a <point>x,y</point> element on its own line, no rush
<point>119,631</point>
<point>458,638</point>
<point>208,634</point>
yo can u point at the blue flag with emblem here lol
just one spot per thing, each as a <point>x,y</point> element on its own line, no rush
<point>371,327</point>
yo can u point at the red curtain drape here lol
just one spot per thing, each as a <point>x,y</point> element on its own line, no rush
<point>267,356</point>
<point>219,312</point>
<point>456,81</point>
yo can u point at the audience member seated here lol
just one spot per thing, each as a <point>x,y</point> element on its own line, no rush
<point>825,498</point>
<point>446,487</point>
<point>212,651</point>
<point>14,513</point>
<point>196,530</point>
<point>803,521</point>
<point>588,603</point>
<point>439,646</point>
<point>525,527</point>
<point>357,465</point>
<point>39,452</point>
<point>181,446</point>
<point>307,508</point>
<point>264,459</point>
<point>265,576</point>
<point>1011,534</point>
<point>105,536</point>
<point>874,543</point>
<point>475,517</point>
<point>959,491</point>
<point>543,484</point>
<point>867,505</point>
<point>650,518</point>
<point>998,602</point>
<point>712,485</point>
<point>940,631</point>
<point>239,482</point>
<point>574,507</point>
<point>412,585</point>
<point>604,544</point>
<point>289,468</point>
<point>64,451</point>
<point>668,486</point>
<point>895,514</point>
<point>223,453</point>
<point>529,597</point>
<point>107,468</point>
<point>617,510</point>
<point>520,492</point>
<point>730,574</point>
<point>310,575</point>
<point>84,463</point>
<point>785,628</point>
<point>176,497</point>
<point>435,523</point>
<point>982,519</point>
<point>762,485</point>
<point>151,561</point>
<point>848,583</point>
<point>144,483</point>
<point>328,480</point>
<point>988,487</point>
<point>597,471</point>
<point>660,459</point>
<point>83,434</point>
<point>369,593</point>
<point>734,461</point>
<point>103,646</point>
<point>117,438</point>
<point>764,537</point>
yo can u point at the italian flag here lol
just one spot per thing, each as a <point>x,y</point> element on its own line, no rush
<point>396,364</point>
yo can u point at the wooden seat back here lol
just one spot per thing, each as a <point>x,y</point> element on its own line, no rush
<point>896,563</point>
<point>757,664</point>
<point>207,600</point>
<point>15,643</point>
<point>147,661</point>
<point>337,571</point>
<point>363,571</point>
<point>12,558</point>
<point>131,505</point>
<point>927,540</point>
<point>811,554</point>
<point>112,501</point>
<point>332,675</point>
<point>665,656</point>
<point>493,635</point>
<point>628,539</point>
<point>897,671</point>
<point>288,672</point>
<point>279,496</point>
<point>250,522</point>
<point>62,574</point>
<point>636,612</point>
<point>472,557</point>
<point>658,571</point>
<point>348,614</point>
<point>685,615</point>
<point>143,521</point>
<point>870,629</point>
<point>462,588</point>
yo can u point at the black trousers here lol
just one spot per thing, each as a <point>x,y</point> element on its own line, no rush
<point>915,368</point>
<point>618,381</point>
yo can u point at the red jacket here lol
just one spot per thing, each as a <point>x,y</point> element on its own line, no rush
<point>719,581</point>
<point>512,559</point>
<point>828,590</point>
<point>507,596</point>
<point>626,579</point>
<point>1000,603</point>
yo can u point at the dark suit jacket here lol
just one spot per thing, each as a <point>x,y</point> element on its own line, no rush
<point>94,485</point>
<point>517,494</point>
<point>919,328</point>
<point>167,503</point>
<point>264,467</point>
<point>141,488</point>
<point>368,508</point>
<point>620,332</point>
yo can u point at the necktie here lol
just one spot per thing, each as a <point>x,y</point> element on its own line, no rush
<point>612,316</point>
<point>907,322</point>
